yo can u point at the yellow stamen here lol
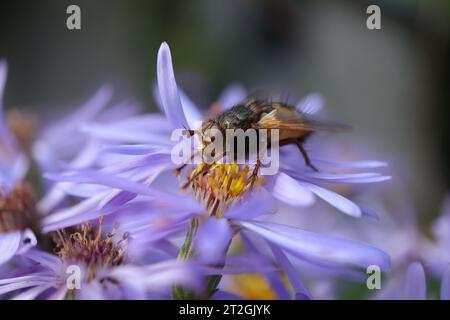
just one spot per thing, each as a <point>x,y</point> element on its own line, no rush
<point>220,186</point>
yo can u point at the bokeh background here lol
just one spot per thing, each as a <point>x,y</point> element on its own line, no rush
<point>391,85</point>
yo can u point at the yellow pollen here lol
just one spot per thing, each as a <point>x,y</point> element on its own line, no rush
<point>219,185</point>
<point>251,286</point>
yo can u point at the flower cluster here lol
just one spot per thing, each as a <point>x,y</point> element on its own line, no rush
<point>118,219</point>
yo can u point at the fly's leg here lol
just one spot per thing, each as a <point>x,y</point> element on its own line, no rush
<point>197,174</point>
<point>254,174</point>
<point>188,133</point>
<point>179,169</point>
<point>305,156</point>
<point>204,170</point>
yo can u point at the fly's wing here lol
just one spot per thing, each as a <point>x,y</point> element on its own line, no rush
<point>287,118</point>
<point>270,95</point>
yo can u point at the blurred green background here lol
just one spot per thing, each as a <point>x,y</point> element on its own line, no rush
<point>392,84</point>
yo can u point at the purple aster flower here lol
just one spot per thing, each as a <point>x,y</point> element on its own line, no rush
<point>295,184</point>
<point>16,198</point>
<point>58,145</point>
<point>410,249</point>
<point>90,264</point>
<point>226,200</point>
<point>433,255</point>
<point>412,284</point>
<point>325,251</point>
<point>63,143</point>
<point>13,163</point>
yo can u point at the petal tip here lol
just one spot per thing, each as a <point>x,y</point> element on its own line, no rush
<point>163,49</point>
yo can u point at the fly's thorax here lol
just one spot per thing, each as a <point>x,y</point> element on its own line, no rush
<point>238,117</point>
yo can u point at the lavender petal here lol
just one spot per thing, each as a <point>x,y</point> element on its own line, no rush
<point>212,240</point>
<point>315,246</point>
<point>168,89</point>
<point>445,285</point>
<point>341,203</point>
<point>415,283</point>
<point>292,192</point>
<point>9,245</point>
<point>295,280</point>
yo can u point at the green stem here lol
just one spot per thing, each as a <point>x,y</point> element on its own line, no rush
<point>186,252</point>
<point>187,249</point>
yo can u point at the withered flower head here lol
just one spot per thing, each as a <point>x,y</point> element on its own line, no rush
<point>23,125</point>
<point>17,208</point>
<point>88,246</point>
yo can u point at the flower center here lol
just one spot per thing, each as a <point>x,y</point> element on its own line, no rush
<point>90,247</point>
<point>251,286</point>
<point>220,185</point>
<point>17,208</point>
